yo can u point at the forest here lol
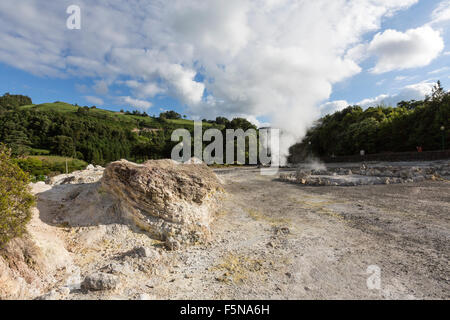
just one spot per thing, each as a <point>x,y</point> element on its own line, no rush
<point>382,129</point>
<point>89,134</point>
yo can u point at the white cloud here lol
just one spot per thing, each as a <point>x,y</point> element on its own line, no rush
<point>136,103</point>
<point>416,92</point>
<point>101,87</point>
<point>404,78</point>
<point>262,58</point>
<point>333,106</point>
<point>440,70</point>
<point>398,51</point>
<point>442,12</point>
<point>411,92</point>
<point>94,100</point>
<point>143,89</point>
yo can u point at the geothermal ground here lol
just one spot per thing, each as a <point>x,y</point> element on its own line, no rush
<point>276,240</point>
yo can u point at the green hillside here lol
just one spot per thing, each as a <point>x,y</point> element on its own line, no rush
<point>91,135</point>
<point>121,117</point>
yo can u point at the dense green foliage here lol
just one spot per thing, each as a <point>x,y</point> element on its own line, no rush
<point>9,101</point>
<point>170,115</point>
<point>15,199</point>
<point>90,134</point>
<point>380,129</point>
<point>40,167</point>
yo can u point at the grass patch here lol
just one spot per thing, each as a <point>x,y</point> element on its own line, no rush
<point>54,107</point>
<point>40,167</point>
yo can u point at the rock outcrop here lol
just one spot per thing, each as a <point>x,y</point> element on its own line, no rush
<point>90,175</point>
<point>171,201</point>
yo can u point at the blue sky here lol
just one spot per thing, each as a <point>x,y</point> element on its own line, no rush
<point>285,65</point>
<point>366,85</point>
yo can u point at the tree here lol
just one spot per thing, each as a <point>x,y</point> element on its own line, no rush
<point>437,93</point>
<point>222,121</point>
<point>64,146</point>
<point>240,123</point>
<point>170,115</point>
<point>9,101</point>
<point>15,198</point>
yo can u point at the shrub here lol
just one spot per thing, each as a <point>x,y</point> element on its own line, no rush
<point>15,198</point>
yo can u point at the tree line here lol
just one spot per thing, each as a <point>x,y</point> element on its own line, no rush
<point>409,126</point>
<point>92,136</point>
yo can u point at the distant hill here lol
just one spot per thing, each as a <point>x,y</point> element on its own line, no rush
<point>92,134</point>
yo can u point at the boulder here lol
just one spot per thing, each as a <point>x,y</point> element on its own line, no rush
<point>164,198</point>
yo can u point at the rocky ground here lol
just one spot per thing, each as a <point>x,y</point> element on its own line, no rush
<point>270,240</point>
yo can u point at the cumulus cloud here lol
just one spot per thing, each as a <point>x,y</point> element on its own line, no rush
<point>416,91</point>
<point>333,106</point>
<point>136,103</point>
<point>95,100</point>
<point>261,58</point>
<point>402,50</point>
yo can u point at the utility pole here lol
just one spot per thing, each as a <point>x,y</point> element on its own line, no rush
<point>67,167</point>
<point>443,137</point>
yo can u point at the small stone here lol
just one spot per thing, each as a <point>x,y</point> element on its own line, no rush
<point>172,244</point>
<point>64,291</point>
<point>145,296</point>
<point>145,252</point>
<point>118,268</point>
<point>100,281</point>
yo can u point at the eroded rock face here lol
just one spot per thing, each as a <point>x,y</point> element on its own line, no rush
<point>173,202</point>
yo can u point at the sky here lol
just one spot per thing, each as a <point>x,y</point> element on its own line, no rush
<point>282,63</point>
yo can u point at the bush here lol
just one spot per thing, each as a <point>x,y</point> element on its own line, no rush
<point>15,198</point>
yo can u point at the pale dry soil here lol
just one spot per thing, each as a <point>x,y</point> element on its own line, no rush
<point>275,240</point>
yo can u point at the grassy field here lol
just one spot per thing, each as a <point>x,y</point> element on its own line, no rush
<point>55,107</point>
<point>130,119</point>
<point>58,159</point>
<point>40,167</point>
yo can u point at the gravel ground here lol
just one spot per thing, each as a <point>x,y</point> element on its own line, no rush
<point>276,240</point>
